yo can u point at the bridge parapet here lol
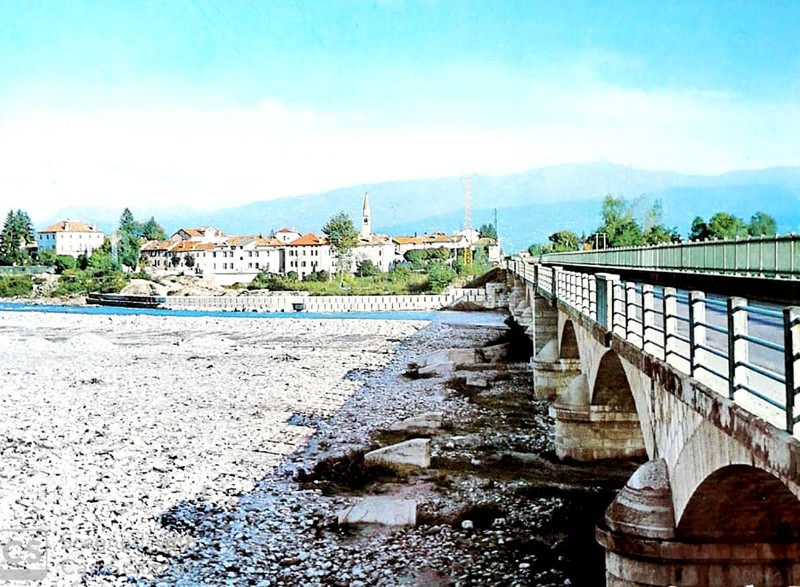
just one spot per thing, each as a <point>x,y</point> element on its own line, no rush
<point>748,351</point>
<point>777,256</point>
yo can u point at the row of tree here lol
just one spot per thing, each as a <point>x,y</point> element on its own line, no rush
<point>622,227</point>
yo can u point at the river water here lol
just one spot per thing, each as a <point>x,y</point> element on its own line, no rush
<point>444,316</point>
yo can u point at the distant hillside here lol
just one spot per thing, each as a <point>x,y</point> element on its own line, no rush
<point>530,206</point>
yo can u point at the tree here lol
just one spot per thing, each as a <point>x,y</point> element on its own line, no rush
<point>619,223</point>
<point>175,260</point>
<point>658,234</point>
<point>129,243</point>
<point>102,261</point>
<point>724,225</point>
<point>343,237</point>
<point>15,237</point>
<point>152,230</point>
<point>488,231</point>
<point>564,240</point>
<point>440,275</point>
<point>367,268</point>
<point>699,229</point>
<point>762,224</point>
<point>189,260</point>
<point>417,258</point>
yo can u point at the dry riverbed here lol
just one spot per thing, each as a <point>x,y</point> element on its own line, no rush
<point>172,451</point>
<point>111,421</point>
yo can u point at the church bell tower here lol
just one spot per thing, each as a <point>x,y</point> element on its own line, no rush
<point>366,220</point>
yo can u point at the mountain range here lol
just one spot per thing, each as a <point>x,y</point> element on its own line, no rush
<point>529,206</point>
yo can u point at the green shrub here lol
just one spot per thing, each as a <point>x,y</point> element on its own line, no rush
<point>15,286</point>
<point>76,282</point>
<point>440,275</point>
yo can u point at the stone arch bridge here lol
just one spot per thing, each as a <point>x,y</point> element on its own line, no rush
<point>703,386</point>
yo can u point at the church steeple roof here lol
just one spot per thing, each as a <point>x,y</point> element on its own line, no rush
<point>366,211</point>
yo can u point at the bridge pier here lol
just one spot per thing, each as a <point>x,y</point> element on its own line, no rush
<point>643,546</point>
<point>589,432</point>
<point>552,374</point>
<point>554,364</point>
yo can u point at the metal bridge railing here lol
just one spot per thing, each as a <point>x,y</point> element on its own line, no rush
<point>746,351</point>
<point>777,256</point>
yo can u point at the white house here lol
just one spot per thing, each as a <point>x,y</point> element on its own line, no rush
<point>70,237</point>
<point>308,254</point>
<point>240,259</point>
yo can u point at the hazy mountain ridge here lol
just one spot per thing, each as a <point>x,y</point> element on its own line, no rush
<point>530,206</point>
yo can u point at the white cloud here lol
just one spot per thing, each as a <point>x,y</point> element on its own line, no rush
<point>218,158</point>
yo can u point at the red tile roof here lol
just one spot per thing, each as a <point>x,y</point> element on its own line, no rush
<point>71,226</point>
<point>308,239</point>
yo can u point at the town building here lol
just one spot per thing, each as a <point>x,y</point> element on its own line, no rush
<point>287,235</point>
<point>203,234</point>
<point>426,242</point>
<point>70,237</point>
<point>309,254</point>
<point>208,252</point>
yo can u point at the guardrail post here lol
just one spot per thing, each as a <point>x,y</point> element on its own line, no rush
<point>630,312</point>
<point>791,346</point>
<point>536,269</point>
<point>670,325</point>
<point>697,330</point>
<point>648,320</point>
<point>618,306</point>
<point>555,280</point>
<point>585,293</point>
<point>605,299</point>
<point>593,298</point>
<point>738,348</point>
<point>568,293</point>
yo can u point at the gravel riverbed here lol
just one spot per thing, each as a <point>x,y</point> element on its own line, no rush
<point>179,451</point>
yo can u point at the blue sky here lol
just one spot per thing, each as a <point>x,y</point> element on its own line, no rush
<point>213,103</point>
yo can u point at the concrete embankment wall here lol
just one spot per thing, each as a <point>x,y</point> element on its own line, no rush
<point>490,297</point>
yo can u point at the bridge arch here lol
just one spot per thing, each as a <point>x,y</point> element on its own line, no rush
<point>611,386</point>
<point>568,342</point>
<point>740,504</point>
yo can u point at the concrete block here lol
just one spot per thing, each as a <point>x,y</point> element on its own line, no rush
<point>415,452</point>
<point>495,353</point>
<point>475,380</point>
<point>425,423</point>
<point>437,370</point>
<point>387,511</point>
